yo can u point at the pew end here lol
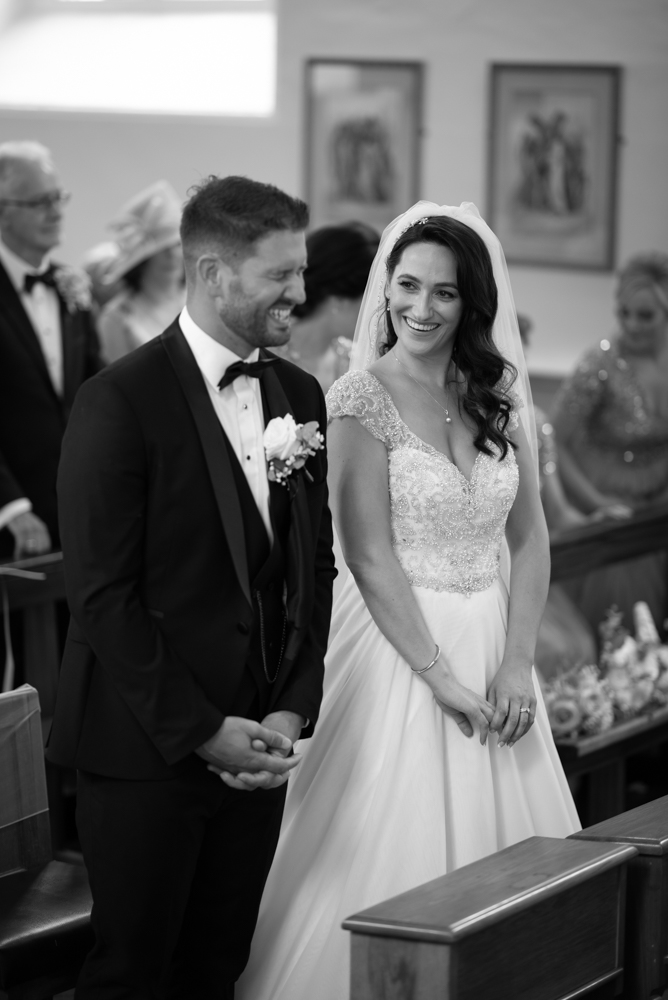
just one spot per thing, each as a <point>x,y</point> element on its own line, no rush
<point>536,921</point>
<point>646,955</point>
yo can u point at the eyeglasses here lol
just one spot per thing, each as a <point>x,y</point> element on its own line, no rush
<point>43,204</point>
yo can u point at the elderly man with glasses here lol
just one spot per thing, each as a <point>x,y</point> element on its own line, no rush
<point>48,347</point>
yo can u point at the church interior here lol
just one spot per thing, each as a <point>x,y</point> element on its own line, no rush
<point>550,117</point>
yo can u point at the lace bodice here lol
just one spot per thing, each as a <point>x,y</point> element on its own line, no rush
<point>446,530</point>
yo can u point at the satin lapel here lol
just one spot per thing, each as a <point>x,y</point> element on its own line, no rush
<point>299,555</point>
<point>18,323</point>
<point>217,459</point>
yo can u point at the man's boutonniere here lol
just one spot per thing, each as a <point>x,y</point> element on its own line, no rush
<point>288,444</point>
<point>74,286</point>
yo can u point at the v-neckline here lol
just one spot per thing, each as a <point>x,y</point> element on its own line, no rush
<point>426,444</point>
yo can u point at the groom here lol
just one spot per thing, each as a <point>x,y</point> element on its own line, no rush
<point>200,593</point>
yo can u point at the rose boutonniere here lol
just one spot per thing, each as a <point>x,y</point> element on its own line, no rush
<point>288,444</point>
<point>74,286</point>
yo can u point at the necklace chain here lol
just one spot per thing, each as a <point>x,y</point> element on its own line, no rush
<point>448,418</point>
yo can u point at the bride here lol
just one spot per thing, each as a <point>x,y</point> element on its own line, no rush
<point>432,461</point>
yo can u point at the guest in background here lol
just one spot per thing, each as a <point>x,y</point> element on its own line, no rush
<point>612,431</point>
<point>339,261</point>
<point>150,266</point>
<point>48,346</point>
<point>564,638</point>
<point>97,263</point>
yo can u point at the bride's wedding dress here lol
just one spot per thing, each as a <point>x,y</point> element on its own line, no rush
<point>389,793</point>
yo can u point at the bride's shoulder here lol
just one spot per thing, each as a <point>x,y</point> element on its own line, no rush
<point>357,389</point>
<point>360,394</point>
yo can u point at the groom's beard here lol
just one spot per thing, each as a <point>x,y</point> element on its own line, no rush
<point>251,321</point>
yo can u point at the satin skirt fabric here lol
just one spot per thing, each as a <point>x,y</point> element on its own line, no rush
<point>390,794</point>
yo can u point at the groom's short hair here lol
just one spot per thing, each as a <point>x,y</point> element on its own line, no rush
<point>228,215</point>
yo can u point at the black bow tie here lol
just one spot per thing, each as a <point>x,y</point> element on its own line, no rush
<point>255,369</point>
<point>47,278</point>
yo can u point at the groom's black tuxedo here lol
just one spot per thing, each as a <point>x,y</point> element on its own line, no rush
<point>165,553</point>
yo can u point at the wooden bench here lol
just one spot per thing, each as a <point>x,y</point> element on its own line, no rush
<point>646,949</point>
<point>45,905</point>
<point>542,920</point>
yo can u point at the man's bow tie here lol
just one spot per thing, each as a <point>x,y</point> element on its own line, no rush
<point>255,369</point>
<point>47,277</point>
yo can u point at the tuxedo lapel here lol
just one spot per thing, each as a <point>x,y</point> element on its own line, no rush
<point>72,355</point>
<point>19,325</point>
<point>215,453</point>
<point>300,549</point>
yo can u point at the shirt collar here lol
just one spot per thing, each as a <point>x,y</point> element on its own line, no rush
<point>17,268</point>
<point>213,359</point>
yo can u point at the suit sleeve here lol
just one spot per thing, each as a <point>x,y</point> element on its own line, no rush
<point>10,489</point>
<point>103,484</point>
<point>303,690</point>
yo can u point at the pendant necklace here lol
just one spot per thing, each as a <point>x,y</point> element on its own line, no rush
<point>448,418</point>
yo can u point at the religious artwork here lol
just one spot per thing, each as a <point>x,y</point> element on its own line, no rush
<point>553,164</point>
<point>363,140</point>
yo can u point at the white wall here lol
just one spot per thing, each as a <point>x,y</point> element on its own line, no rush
<point>105,159</point>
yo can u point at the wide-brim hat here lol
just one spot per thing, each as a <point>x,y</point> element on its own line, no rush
<point>148,224</point>
<point>99,260</point>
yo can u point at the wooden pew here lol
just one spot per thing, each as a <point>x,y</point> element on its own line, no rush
<point>36,599</point>
<point>646,948</point>
<point>542,920</point>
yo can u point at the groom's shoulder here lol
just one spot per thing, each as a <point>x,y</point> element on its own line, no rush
<point>146,367</point>
<point>295,380</point>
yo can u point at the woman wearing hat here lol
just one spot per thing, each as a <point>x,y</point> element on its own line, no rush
<point>150,267</point>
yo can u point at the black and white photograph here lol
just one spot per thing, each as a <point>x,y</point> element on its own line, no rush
<point>333,500</point>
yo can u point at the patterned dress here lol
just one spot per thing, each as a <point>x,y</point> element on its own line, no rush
<point>389,793</point>
<point>620,439</point>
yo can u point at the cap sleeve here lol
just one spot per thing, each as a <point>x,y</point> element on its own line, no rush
<point>359,394</point>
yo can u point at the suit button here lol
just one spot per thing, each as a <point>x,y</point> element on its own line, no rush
<point>243,628</point>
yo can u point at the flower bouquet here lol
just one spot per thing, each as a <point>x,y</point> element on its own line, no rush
<point>630,679</point>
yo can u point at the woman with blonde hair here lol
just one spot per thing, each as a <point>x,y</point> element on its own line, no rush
<point>611,427</point>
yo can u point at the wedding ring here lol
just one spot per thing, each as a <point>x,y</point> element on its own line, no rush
<point>524,710</point>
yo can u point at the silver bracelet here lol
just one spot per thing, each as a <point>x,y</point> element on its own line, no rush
<point>429,665</point>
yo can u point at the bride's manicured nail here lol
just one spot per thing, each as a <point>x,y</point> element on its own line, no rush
<point>501,744</point>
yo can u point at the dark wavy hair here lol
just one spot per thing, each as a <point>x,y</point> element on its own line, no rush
<point>475,354</point>
<point>339,261</point>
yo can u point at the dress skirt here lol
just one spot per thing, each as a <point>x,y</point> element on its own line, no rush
<point>390,794</point>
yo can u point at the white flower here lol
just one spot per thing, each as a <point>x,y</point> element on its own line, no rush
<point>75,287</point>
<point>624,656</point>
<point>646,632</point>
<point>280,438</point>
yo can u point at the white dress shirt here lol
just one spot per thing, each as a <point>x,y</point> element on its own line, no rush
<point>238,407</point>
<point>43,309</point>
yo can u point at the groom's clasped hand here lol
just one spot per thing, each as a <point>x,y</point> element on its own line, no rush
<point>249,755</point>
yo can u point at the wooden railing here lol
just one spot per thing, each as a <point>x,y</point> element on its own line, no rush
<point>591,546</point>
<point>37,598</point>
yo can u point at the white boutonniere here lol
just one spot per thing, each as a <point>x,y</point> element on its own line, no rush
<point>74,286</point>
<point>288,444</point>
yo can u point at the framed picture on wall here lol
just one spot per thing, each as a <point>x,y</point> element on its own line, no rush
<point>362,140</point>
<point>552,175</point>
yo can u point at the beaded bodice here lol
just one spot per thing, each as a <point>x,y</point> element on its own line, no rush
<point>446,530</point>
